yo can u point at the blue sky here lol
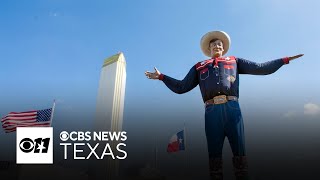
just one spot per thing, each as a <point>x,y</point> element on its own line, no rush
<point>54,49</point>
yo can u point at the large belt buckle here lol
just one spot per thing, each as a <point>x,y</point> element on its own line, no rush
<point>220,99</point>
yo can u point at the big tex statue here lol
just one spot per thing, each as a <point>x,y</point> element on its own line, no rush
<point>218,79</point>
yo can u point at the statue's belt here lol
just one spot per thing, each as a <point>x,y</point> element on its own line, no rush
<point>220,99</point>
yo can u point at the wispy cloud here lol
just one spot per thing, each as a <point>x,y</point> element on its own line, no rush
<point>55,13</point>
<point>60,101</point>
<point>63,105</point>
<point>290,114</point>
<point>311,109</point>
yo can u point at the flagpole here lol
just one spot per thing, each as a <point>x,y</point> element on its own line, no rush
<point>185,145</point>
<point>185,137</point>
<point>156,155</point>
<point>52,111</point>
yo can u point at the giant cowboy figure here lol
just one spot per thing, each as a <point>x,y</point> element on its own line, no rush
<point>218,79</point>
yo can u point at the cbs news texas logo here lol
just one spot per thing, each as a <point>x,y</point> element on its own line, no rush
<point>34,145</point>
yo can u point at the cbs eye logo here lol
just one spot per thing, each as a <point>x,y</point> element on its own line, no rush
<point>34,145</point>
<point>38,145</point>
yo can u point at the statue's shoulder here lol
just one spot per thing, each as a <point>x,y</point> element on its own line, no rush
<point>204,63</point>
<point>227,58</point>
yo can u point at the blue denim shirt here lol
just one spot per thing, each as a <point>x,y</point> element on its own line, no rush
<point>220,76</point>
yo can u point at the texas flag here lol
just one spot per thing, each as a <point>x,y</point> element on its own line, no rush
<point>177,142</point>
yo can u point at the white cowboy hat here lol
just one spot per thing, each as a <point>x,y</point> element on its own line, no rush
<point>221,35</point>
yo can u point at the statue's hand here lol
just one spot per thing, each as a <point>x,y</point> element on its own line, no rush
<point>153,75</point>
<point>295,57</point>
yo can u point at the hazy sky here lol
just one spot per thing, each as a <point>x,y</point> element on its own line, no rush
<point>54,49</point>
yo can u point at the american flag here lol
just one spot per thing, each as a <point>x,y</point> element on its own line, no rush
<point>13,120</point>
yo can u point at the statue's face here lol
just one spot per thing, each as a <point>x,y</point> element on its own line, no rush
<point>216,48</point>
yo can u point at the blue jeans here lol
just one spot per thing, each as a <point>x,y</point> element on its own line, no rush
<point>224,120</point>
